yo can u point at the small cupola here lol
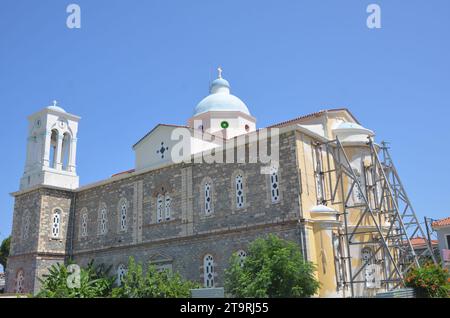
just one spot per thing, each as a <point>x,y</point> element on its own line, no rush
<point>222,113</point>
<point>352,133</point>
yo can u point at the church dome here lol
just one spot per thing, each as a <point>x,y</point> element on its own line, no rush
<point>220,99</point>
<point>56,108</point>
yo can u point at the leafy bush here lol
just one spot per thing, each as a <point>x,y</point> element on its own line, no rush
<point>273,268</point>
<point>153,284</point>
<point>429,280</point>
<point>94,282</point>
<point>4,251</point>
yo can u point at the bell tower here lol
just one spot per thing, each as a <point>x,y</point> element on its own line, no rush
<point>51,149</point>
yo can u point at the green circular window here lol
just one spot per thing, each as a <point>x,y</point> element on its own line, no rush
<point>224,124</point>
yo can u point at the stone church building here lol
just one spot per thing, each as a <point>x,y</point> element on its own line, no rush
<point>189,216</point>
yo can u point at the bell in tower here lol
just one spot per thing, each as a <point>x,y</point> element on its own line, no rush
<point>51,149</point>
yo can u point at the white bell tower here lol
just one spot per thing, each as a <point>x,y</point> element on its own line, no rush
<point>51,149</point>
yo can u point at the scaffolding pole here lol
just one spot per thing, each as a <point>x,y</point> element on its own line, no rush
<point>384,215</point>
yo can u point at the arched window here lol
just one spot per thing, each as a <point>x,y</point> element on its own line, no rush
<point>123,215</point>
<point>65,153</point>
<point>167,204</point>
<point>274,185</point>
<point>103,219</point>
<point>208,271</point>
<point>84,219</point>
<point>208,198</point>
<point>159,208</point>
<point>56,223</point>
<point>242,255</point>
<point>20,279</point>
<point>53,148</point>
<point>25,224</point>
<point>239,191</point>
<point>121,272</point>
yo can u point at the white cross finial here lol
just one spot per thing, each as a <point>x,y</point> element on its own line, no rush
<point>55,102</point>
<point>219,69</point>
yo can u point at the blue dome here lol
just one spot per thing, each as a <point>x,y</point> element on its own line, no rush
<point>220,99</point>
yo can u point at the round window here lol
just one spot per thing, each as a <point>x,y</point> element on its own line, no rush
<point>224,124</point>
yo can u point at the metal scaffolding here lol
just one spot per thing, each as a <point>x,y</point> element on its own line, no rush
<point>381,217</point>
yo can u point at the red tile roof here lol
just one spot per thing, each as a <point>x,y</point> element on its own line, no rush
<point>420,241</point>
<point>316,114</point>
<point>442,222</point>
<point>123,172</point>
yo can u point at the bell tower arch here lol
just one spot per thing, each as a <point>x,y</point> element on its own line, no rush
<point>51,149</point>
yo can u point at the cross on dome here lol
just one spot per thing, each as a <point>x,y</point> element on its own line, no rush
<point>219,69</point>
<point>55,102</point>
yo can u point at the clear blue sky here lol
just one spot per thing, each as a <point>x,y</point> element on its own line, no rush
<point>134,64</point>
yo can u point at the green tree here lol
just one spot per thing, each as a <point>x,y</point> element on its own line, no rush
<point>272,268</point>
<point>94,282</point>
<point>153,284</point>
<point>429,280</point>
<point>4,251</point>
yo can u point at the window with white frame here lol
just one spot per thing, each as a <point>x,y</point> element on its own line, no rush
<point>239,191</point>
<point>167,203</point>
<point>25,225</point>
<point>20,279</point>
<point>56,223</point>
<point>123,216</point>
<point>159,208</point>
<point>274,185</point>
<point>84,220</point>
<point>241,255</point>
<point>121,272</point>
<point>208,271</point>
<point>208,198</point>
<point>103,220</point>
